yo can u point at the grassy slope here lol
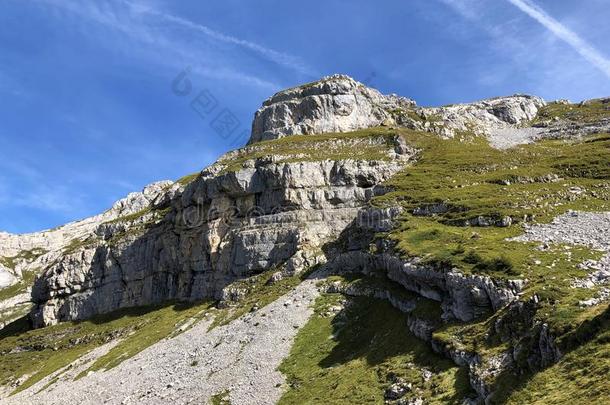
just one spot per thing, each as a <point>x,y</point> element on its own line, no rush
<point>590,112</point>
<point>467,176</point>
<point>35,354</point>
<point>476,180</point>
<point>369,144</point>
<point>352,357</point>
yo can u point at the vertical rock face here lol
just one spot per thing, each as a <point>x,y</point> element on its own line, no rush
<point>224,226</point>
<point>334,104</point>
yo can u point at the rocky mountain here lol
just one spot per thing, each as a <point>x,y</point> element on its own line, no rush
<point>475,232</point>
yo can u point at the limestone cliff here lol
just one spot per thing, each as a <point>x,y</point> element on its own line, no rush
<point>23,257</point>
<point>225,225</point>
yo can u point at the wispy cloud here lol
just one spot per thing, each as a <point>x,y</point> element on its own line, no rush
<point>581,46</point>
<point>158,30</point>
<point>463,8</point>
<point>280,58</point>
<point>50,199</point>
<point>504,34</point>
<point>510,56</point>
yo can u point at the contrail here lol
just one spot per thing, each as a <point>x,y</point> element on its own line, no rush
<point>280,58</point>
<point>581,46</point>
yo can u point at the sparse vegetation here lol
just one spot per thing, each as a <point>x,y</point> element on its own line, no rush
<point>26,281</point>
<point>27,256</point>
<point>27,276</point>
<point>188,179</point>
<point>155,213</point>
<point>220,399</point>
<point>77,244</point>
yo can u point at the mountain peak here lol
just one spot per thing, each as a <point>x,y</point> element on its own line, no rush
<point>335,103</point>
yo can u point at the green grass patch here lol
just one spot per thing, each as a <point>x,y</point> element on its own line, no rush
<point>353,357</point>
<point>366,144</point>
<point>221,398</point>
<point>592,111</point>
<point>76,245</point>
<point>188,179</point>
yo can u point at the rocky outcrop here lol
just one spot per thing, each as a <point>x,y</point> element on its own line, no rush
<point>463,297</point>
<point>37,250</point>
<point>224,226</point>
<point>562,129</point>
<point>405,305</point>
<point>485,116</point>
<point>338,103</point>
<point>334,104</point>
<point>22,257</point>
<point>531,345</point>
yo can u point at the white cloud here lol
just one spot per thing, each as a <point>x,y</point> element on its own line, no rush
<point>143,24</point>
<point>581,46</point>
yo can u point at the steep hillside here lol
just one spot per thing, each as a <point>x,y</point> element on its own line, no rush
<point>359,249</point>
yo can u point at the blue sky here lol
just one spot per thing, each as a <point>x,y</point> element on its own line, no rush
<point>88,114</point>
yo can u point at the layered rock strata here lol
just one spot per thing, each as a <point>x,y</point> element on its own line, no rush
<point>224,226</point>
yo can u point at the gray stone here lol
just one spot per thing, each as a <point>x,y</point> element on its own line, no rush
<point>333,104</point>
<point>222,227</point>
